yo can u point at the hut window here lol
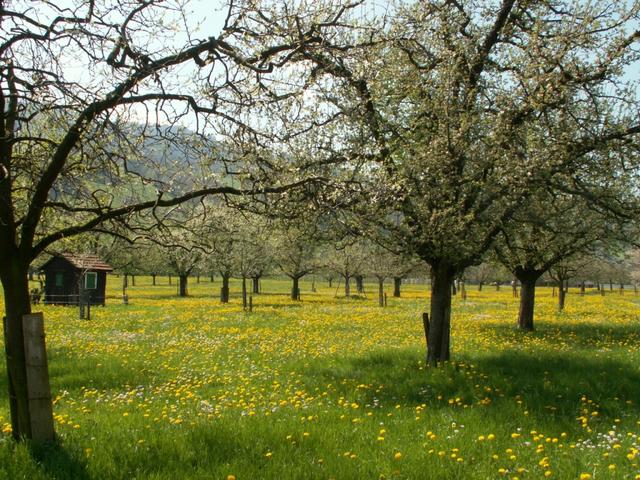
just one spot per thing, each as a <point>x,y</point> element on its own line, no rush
<point>90,280</point>
<point>59,279</point>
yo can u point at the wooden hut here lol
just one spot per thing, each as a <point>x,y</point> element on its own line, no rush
<point>67,276</point>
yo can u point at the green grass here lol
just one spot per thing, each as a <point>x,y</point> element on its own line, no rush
<point>330,387</point>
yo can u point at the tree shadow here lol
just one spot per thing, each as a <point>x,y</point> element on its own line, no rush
<point>55,461</point>
<point>551,386</point>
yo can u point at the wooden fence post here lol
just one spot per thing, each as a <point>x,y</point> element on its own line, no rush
<point>425,323</point>
<point>39,391</point>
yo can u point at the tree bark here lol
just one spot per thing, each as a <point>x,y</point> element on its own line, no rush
<point>256,284</point>
<point>561,294</point>
<point>528,279</point>
<point>183,285</point>
<point>133,280</point>
<point>359,283</point>
<point>480,286</point>
<point>440,323</point>
<point>14,278</point>
<point>582,288</point>
<point>295,289</point>
<point>125,284</point>
<point>347,287</point>
<point>153,279</point>
<point>224,290</point>
<point>381,291</point>
<point>169,279</point>
<point>244,292</point>
<point>454,290</point>
<point>397,282</point>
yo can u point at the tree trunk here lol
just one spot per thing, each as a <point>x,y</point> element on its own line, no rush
<point>133,280</point>
<point>295,289</point>
<point>256,284</point>
<point>183,285</point>
<point>244,292</point>
<point>440,324</point>
<point>125,284</point>
<point>169,279</point>
<point>153,279</point>
<point>528,279</point>
<point>582,288</point>
<point>611,285</point>
<point>198,278</point>
<point>454,290</point>
<point>224,290</point>
<point>330,282</point>
<point>397,282</point>
<point>359,283</point>
<point>347,287</point>
<point>14,277</point>
<point>480,286</point>
<point>381,291</point>
<point>562,293</point>
<point>211,278</point>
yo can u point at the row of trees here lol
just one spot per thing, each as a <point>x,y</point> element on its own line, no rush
<point>444,130</point>
<point>254,247</point>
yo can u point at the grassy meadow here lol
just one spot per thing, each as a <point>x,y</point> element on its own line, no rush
<point>335,388</point>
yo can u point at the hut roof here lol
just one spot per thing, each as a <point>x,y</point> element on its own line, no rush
<point>84,262</point>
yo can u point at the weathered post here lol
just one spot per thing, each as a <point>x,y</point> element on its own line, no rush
<point>425,324</point>
<point>39,417</point>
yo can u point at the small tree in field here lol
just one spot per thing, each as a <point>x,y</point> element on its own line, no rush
<point>295,252</point>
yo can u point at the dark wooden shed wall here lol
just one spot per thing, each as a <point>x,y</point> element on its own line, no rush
<point>68,294</point>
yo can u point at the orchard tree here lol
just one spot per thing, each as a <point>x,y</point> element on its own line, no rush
<point>295,252</point>
<point>550,231</point>
<point>347,259</point>
<point>454,113</point>
<point>87,86</point>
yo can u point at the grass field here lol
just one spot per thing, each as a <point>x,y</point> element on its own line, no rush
<point>175,388</point>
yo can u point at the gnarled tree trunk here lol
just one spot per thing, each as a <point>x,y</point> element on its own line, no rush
<point>381,291</point>
<point>224,290</point>
<point>295,288</point>
<point>183,285</point>
<point>25,411</point>
<point>438,348</point>
<point>397,282</point>
<point>562,292</point>
<point>528,278</point>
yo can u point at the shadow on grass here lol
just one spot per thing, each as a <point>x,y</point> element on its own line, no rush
<point>579,335</point>
<point>55,461</point>
<point>550,385</point>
